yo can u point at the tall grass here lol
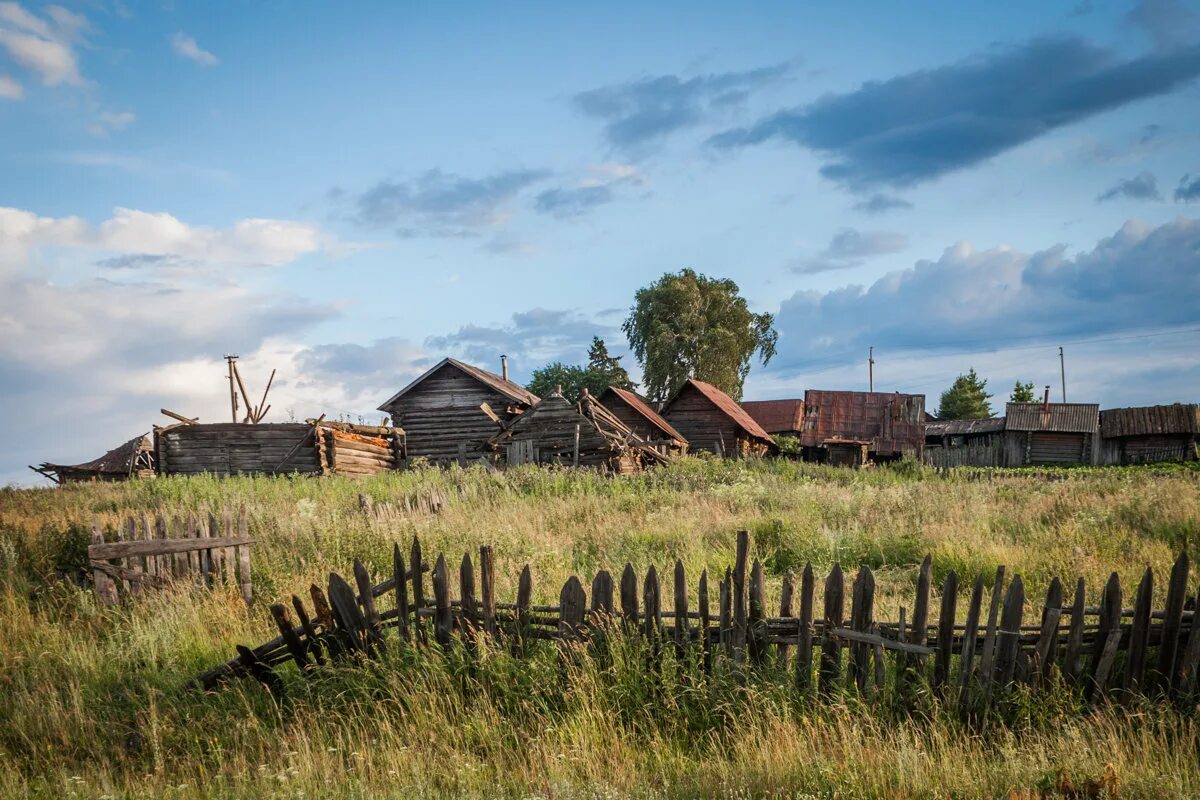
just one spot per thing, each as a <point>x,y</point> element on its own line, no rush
<point>91,702</point>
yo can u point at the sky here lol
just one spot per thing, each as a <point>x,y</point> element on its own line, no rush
<point>349,193</point>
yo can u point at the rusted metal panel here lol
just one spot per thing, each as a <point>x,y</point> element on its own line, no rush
<point>1180,418</point>
<point>1053,417</point>
<point>777,416</point>
<point>894,424</point>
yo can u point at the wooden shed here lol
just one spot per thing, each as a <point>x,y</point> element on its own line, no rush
<point>584,434</point>
<point>1149,433</point>
<point>307,448</point>
<point>1051,433</point>
<point>965,443</point>
<point>893,423</point>
<point>847,452</point>
<point>452,412</point>
<point>711,421</point>
<point>637,415</point>
<point>133,459</point>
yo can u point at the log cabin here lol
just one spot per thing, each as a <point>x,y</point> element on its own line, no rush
<point>1051,433</point>
<point>451,413</point>
<point>1149,433</point>
<point>635,412</point>
<point>711,421</point>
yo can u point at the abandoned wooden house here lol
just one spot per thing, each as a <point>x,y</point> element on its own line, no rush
<point>777,417</point>
<point>711,421</point>
<point>633,410</point>
<point>965,442</point>
<point>1149,433</point>
<point>133,459</point>
<point>893,424</point>
<point>1048,433</point>
<point>584,434</point>
<point>452,411</point>
<point>315,447</point>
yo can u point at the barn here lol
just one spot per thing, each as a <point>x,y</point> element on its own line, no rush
<point>584,434</point>
<point>1051,433</point>
<point>892,423</point>
<point>635,412</point>
<point>1149,433</point>
<point>777,417</point>
<point>452,411</point>
<point>133,459</point>
<point>711,421</point>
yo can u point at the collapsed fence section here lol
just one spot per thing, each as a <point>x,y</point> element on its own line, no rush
<point>1100,651</point>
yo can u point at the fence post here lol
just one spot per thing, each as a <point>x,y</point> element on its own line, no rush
<point>1108,637</point>
<point>862,600</point>
<point>1043,654</point>
<point>757,617</point>
<point>652,623</point>
<point>487,589</point>
<point>967,655</point>
<point>738,591</point>
<point>920,617</point>
<point>311,643</point>
<point>366,598</point>
<point>682,628</point>
<point>1072,660</point>
<point>831,648</point>
<point>572,604</point>
<point>1009,639</point>
<point>1139,635</point>
<point>466,599</point>
<point>242,553</point>
<point>702,608</point>
<point>804,650</point>
<point>1185,683</point>
<point>443,619</point>
<point>418,588</point>
<point>106,590</point>
<point>402,610</point>
<point>945,634</point>
<point>290,639</point>
<point>785,611</point>
<point>725,615</point>
<point>629,598</point>
<point>1168,650</point>
<point>521,614</point>
<point>987,656</point>
<point>602,596</point>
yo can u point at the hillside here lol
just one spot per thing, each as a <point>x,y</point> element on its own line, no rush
<point>94,706</point>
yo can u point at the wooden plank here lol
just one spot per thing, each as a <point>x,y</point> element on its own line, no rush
<point>260,671</point>
<point>1139,635</point>
<point>136,549</point>
<point>521,613</point>
<point>146,534</point>
<point>573,604</point>
<point>831,648</point>
<point>366,599</point>
<point>487,589</point>
<point>418,589</point>
<point>105,588</point>
<point>228,556</point>
<point>877,651</point>
<point>738,635</point>
<point>862,598</point>
<point>680,608</point>
<point>468,614</point>
<point>602,596</point>
<point>988,652</point>
<point>705,621</point>
<point>652,615</point>
<point>966,658</point>
<point>401,586</point>
<point>864,637</point>
<point>443,619</point>
<point>1043,653</point>
<point>1009,636</point>
<point>920,617</point>
<point>1189,659</point>
<point>629,598</point>
<point>725,614</point>
<point>216,552</point>
<point>1108,637</point>
<point>132,561</point>
<point>1072,666</point>
<point>945,634</point>
<point>290,638</point>
<point>785,610</point>
<point>346,612</point>
<point>804,650</point>
<point>1170,642</point>
<point>758,612</point>
<point>312,645</point>
<point>243,559</point>
<point>175,564</point>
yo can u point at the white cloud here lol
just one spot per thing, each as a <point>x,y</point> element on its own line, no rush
<point>10,89</point>
<point>44,47</point>
<point>109,121</point>
<point>186,46</point>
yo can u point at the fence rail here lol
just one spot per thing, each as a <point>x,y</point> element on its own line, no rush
<point>1101,651</point>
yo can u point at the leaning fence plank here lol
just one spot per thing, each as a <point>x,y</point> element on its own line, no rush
<point>988,653</point>
<point>295,647</point>
<point>1043,654</point>
<point>629,596</point>
<point>487,590</point>
<point>1168,650</point>
<point>945,634</point>
<point>804,650</point>
<point>366,599</point>
<point>967,654</point>
<point>1073,656</point>
<point>920,618</point>
<point>216,554</point>
<point>738,596</point>
<point>260,671</point>
<point>242,552</point>
<point>402,610</point>
<point>1108,637</point>
<point>1139,634</point>
<point>831,648</point>
<point>418,588</point>
<point>1008,639</point>
<point>146,532</point>
<point>443,620</point>
<point>785,611</point>
<point>227,554</point>
<point>312,645</point>
<point>106,590</point>
<point>1189,660</point>
<point>758,613</point>
<point>682,628</point>
<point>861,611</point>
<point>346,611</point>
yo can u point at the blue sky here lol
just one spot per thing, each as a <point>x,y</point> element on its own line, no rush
<point>350,194</point>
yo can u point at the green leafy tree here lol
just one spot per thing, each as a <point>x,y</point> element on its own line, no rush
<point>688,325</point>
<point>569,378</point>
<point>967,398</point>
<point>1022,393</point>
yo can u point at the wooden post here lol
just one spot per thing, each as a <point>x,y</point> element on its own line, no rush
<point>402,610</point>
<point>487,589</point>
<point>227,553</point>
<point>920,618</point>
<point>521,614</point>
<point>1072,666</point>
<point>725,614</point>
<point>1169,646</point>
<point>134,565</point>
<point>366,599</point>
<point>443,619</point>
<point>862,613</point>
<point>106,590</point>
<point>652,622</point>
<point>1108,637</point>
<point>629,599</point>
<point>311,644</point>
<point>739,596</point>
<point>785,611</point>
<point>682,629</point>
<point>1189,660</point>
<point>1043,654</point>
<point>572,604</point>
<point>831,648</point>
<point>418,589</point>
<point>756,629</point>
<point>987,655</point>
<point>804,650</point>
<point>705,620</point>
<point>967,655</point>
<point>347,613</point>
<point>1009,636</point>
<point>602,596</point>
<point>945,634</point>
<point>1139,635</point>
<point>260,671</point>
<point>290,638</point>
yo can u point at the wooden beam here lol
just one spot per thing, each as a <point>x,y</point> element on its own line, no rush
<point>158,547</point>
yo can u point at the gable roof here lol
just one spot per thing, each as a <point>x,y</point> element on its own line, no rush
<point>777,416</point>
<point>726,405</point>
<point>964,427</point>
<point>1055,417</point>
<point>638,404</point>
<point>514,392</point>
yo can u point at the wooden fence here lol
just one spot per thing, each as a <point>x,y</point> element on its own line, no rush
<point>208,550</point>
<point>1101,651</point>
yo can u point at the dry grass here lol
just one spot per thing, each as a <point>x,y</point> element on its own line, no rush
<point>90,700</point>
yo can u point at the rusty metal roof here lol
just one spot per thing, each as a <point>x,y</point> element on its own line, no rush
<point>639,404</point>
<point>891,422</point>
<point>514,392</point>
<point>964,427</point>
<point>727,405</point>
<point>1180,418</point>
<point>777,416</point>
<point>1053,417</point>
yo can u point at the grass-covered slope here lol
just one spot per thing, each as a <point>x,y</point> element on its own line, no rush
<point>90,699</point>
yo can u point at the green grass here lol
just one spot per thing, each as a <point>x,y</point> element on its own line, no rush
<point>91,702</point>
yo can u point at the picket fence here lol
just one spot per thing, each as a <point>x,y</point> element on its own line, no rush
<point>1103,651</point>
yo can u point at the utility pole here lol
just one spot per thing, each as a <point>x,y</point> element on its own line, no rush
<point>871,369</point>
<point>233,401</point>
<point>1062,368</point>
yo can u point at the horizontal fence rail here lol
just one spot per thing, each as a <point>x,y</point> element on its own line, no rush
<point>826,635</point>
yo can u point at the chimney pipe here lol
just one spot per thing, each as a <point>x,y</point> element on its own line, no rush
<point>504,367</point>
<point>1046,400</point>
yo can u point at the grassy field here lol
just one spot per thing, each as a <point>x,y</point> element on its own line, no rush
<point>91,702</point>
